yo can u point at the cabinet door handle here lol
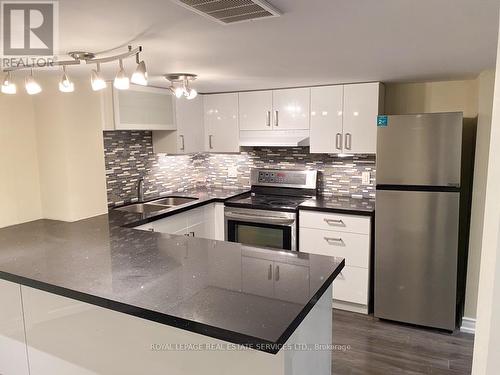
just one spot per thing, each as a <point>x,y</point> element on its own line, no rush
<point>210,142</point>
<point>276,118</point>
<point>348,141</point>
<point>270,272</point>
<point>191,234</point>
<point>332,240</point>
<point>336,222</point>
<point>277,274</point>
<point>268,118</point>
<point>338,141</point>
<point>182,142</point>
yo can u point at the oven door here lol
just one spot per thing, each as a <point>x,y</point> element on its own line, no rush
<point>261,228</point>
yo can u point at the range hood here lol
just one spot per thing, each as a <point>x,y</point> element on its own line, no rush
<point>274,138</point>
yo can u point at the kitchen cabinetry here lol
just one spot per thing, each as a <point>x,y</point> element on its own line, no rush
<point>273,279</point>
<point>138,108</point>
<point>286,109</point>
<point>188,138</point>
<point>343,118</point>
<point>202,222</point>
<point>221,123</point>
<point>13,359</point>
<point>255,110</point>
<point>291,109</point>
<point>346,236</point>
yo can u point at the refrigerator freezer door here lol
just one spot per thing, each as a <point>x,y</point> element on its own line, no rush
<point>416,239</point>
<point>420,150</point>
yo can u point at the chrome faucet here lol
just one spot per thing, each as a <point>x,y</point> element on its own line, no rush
<point>140,189</point>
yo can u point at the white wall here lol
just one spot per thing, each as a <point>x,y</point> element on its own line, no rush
<point>487,340</point>
<point>485,105</point>
<point>20,185</point>
<point>70,151</point>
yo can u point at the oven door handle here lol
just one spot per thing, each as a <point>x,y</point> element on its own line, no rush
<point>263,219</point>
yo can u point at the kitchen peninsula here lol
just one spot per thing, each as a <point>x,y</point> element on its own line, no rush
<point>161,301</point>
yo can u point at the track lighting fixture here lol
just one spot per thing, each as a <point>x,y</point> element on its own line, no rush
<point>65,84</point>
<point>121,82</point>
<point>140,76</point>
<point>31,85</point>
<point>180,85</point>
<point>8,87</point>
<point>98,83</point>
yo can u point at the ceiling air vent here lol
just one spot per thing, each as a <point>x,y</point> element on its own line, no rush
<point>231,11</point>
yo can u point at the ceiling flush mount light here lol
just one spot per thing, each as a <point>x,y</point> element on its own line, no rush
<point>180,85</point>
<point>121,82</point>
<point>140,76</point>
<point>98,83</point>
<point>65,84</point>
<point>8,87</point>
<point>31,85</point>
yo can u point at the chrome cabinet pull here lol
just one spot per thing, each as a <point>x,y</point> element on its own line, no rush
<point>182,142</point>
<point>276,118</point>
<point>332,240</point>
<point>336,222</point>
<point>338,141</point>
<point>191,234</point>
<point>270,272</point>
<point>210,142</point>
<point>348,141</point>
<point>268,118</point>
<point>277,275</point>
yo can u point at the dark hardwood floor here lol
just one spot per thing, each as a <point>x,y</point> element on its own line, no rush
<point>378,347</point>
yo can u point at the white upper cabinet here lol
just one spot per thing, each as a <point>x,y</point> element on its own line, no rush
<point>189,114</point>
<point>255,110</point>
<point>138,108</point>
<point>326,119</point>
<point>362,104</point>
<point>344,118</point>
<point>291,109</point>
<point>221,123</point>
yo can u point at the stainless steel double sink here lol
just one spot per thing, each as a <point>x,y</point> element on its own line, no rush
<point>156,205</point>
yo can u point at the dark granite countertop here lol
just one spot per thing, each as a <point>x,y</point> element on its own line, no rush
<point>338,204</point>
<point>199,285</point>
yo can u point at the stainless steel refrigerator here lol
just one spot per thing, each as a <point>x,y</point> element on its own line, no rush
<point>421,204</point>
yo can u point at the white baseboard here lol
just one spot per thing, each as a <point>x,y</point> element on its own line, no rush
<point>468,325</point>
<point>348,306</point>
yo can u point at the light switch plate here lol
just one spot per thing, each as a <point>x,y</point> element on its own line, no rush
<point>365,178</point>
<point>232,172</point>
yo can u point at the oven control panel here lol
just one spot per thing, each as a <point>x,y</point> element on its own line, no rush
<point>282,177</point>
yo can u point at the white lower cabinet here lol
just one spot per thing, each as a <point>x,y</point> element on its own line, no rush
<point>267,278</point>
<point>203,222</point>
<point>348,237</point>
<point>13,359</point>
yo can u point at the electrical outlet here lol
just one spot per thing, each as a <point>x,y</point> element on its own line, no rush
<point>232,172</point>
<point>365,178</point>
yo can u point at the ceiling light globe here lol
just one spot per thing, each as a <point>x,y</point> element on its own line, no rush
<point>192,94</point>
<point>97,82</point>
<point>140,76</point>
<point>32,86</point>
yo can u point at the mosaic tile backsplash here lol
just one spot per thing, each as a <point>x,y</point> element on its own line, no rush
<point>129,156</point>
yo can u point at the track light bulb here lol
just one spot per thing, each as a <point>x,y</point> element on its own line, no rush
<point>8,87</point>
<point>31,85</point>
<point>65,84</point>
<point>179,92</point>
<point>140,76</point>
<point>122,82</point>
<point>98,83</point>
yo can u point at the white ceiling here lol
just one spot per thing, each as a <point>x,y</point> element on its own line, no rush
<point>313,42</point>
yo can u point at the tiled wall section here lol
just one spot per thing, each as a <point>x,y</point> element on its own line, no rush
<point>129,156</point>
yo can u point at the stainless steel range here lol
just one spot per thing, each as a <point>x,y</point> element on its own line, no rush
<point>267,216</point>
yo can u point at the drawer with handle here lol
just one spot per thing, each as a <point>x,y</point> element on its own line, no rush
<point>335,222</point>
<point>351,285</point>
<point>354,247</point>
